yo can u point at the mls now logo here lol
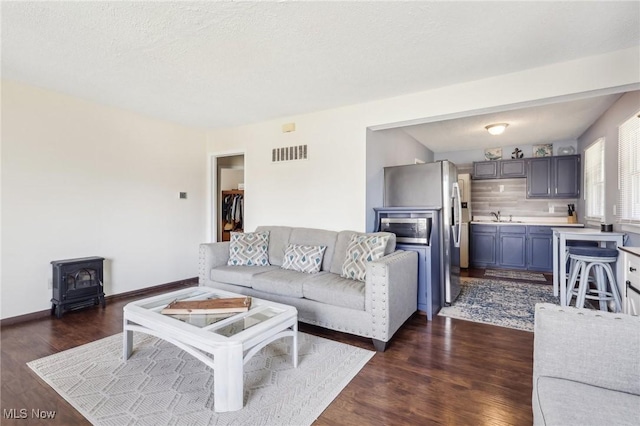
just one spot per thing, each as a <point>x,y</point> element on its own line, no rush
<point>23,413</point>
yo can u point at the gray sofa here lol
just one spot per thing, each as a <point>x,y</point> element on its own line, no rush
<point>586,367</point>
<point>375,308</point>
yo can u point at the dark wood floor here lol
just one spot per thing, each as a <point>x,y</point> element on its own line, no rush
<point>446,371</point>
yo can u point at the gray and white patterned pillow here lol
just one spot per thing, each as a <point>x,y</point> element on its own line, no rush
<point>303,258</point>
<point>249,249</point>
<point>362,249</point>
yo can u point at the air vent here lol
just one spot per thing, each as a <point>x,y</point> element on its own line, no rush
<point>289,153</point>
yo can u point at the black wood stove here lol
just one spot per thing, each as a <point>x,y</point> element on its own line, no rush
<point>77,283</point>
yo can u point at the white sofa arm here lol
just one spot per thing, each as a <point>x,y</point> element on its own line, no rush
<point>570,341</point>
<point>211,256</point>
<point>391,292</point>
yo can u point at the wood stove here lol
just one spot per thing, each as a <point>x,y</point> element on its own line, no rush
<point>77,283</point>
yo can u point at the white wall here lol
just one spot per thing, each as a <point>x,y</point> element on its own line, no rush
<point>385,148</point>
<point>80,179</point>
<point>230,178</point>
<point>329,189</point>
<point>607,126</point>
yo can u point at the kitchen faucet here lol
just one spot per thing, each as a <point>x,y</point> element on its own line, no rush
<point>497,215</point>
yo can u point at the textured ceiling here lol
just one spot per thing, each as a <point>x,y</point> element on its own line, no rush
<point>213,64</point>
<point>564,121</point>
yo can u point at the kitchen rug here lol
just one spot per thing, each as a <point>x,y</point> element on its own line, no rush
<point>504,303</point>
<point>516,275</point>
<point>161,384</point>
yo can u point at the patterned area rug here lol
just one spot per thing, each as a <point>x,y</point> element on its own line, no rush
<point>161,384</point>
<point>503,303</point>
<point>518,275</point>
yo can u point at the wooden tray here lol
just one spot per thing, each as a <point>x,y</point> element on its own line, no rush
<point>209,306</point>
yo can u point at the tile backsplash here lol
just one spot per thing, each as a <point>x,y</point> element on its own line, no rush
<point>509,196</point>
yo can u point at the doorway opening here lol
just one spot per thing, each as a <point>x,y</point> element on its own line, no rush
<point>227,212</point>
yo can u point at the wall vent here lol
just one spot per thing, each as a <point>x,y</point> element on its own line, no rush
<point>289,153</point>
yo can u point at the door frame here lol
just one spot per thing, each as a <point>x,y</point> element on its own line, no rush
<point>212,190</point>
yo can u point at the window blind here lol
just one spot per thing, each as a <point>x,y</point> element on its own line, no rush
<point>594,180</point>
<point>629,169</point>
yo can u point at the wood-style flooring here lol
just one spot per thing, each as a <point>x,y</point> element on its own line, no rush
<point>447,371</point>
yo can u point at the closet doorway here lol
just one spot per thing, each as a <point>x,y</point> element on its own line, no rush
<point>229,196</point>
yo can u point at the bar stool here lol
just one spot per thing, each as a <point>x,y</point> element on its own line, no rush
<point>575,243</point>
<point>598,260</point>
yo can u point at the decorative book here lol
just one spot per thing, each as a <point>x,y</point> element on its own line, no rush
<point>209,306</point>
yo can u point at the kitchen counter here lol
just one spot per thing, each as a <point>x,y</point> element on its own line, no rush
<point>529,223</point>
<point>632,250</point>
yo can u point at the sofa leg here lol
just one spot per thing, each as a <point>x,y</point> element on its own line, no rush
<point>379,345</point>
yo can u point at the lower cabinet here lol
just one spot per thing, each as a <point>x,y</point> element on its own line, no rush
<point>429,294</point>
<point>511,247</point>
<point>539,248</point>
<point>483,245</point>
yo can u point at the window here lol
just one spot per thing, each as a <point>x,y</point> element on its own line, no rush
<point>629,169</point>
<point>594,180</point>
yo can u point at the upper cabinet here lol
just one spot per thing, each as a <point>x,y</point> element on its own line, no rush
<point>499,169</point>
<point>553,177</point>
<point>512,169</point>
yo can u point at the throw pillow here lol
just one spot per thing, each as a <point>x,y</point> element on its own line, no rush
<point>303,258</point>
<point>249,249</point>
<point>362,249</point>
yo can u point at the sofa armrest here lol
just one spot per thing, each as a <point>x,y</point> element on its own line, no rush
<point>593,347</point>
<point>211,255</point>
<point>391,292</point>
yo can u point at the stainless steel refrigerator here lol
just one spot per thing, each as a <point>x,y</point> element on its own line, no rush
<point>432,185</point>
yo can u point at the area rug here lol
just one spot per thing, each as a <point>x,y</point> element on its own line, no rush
<point>162,385</point>
<point>503,303</point>
<point>516,275</point>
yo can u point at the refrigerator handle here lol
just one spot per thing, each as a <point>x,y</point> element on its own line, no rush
<point>457,218</point>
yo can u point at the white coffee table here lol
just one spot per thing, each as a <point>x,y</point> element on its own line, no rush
<point>224,344</point>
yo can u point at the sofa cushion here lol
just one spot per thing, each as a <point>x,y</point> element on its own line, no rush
<point>316,237</point>
<point>278,241</point>
<point>238,275</point>
<point>334,290</point>
<point>303,258</point>
<point>565,402</point>
<point>249,249</point>
<point>283,282</point>
<point>361,250</point>
<point>344,237</point>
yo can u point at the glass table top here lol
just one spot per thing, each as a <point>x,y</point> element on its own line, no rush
<point>229,325</point>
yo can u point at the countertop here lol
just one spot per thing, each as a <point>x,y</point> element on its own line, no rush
<point>587,231</point>
<point>632,250</point>
<point>529,222</point>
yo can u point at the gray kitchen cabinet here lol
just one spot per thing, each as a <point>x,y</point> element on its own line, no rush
<point>512,247</point>
<point>512,169</point>
<point>430,297</point>
<point>539,178</point>
<point>483,245</point>
<point>539,248</point>
<point>566,172</point>
<point>499,169</point>
<point>553,177</point>
<point>485,170</point>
